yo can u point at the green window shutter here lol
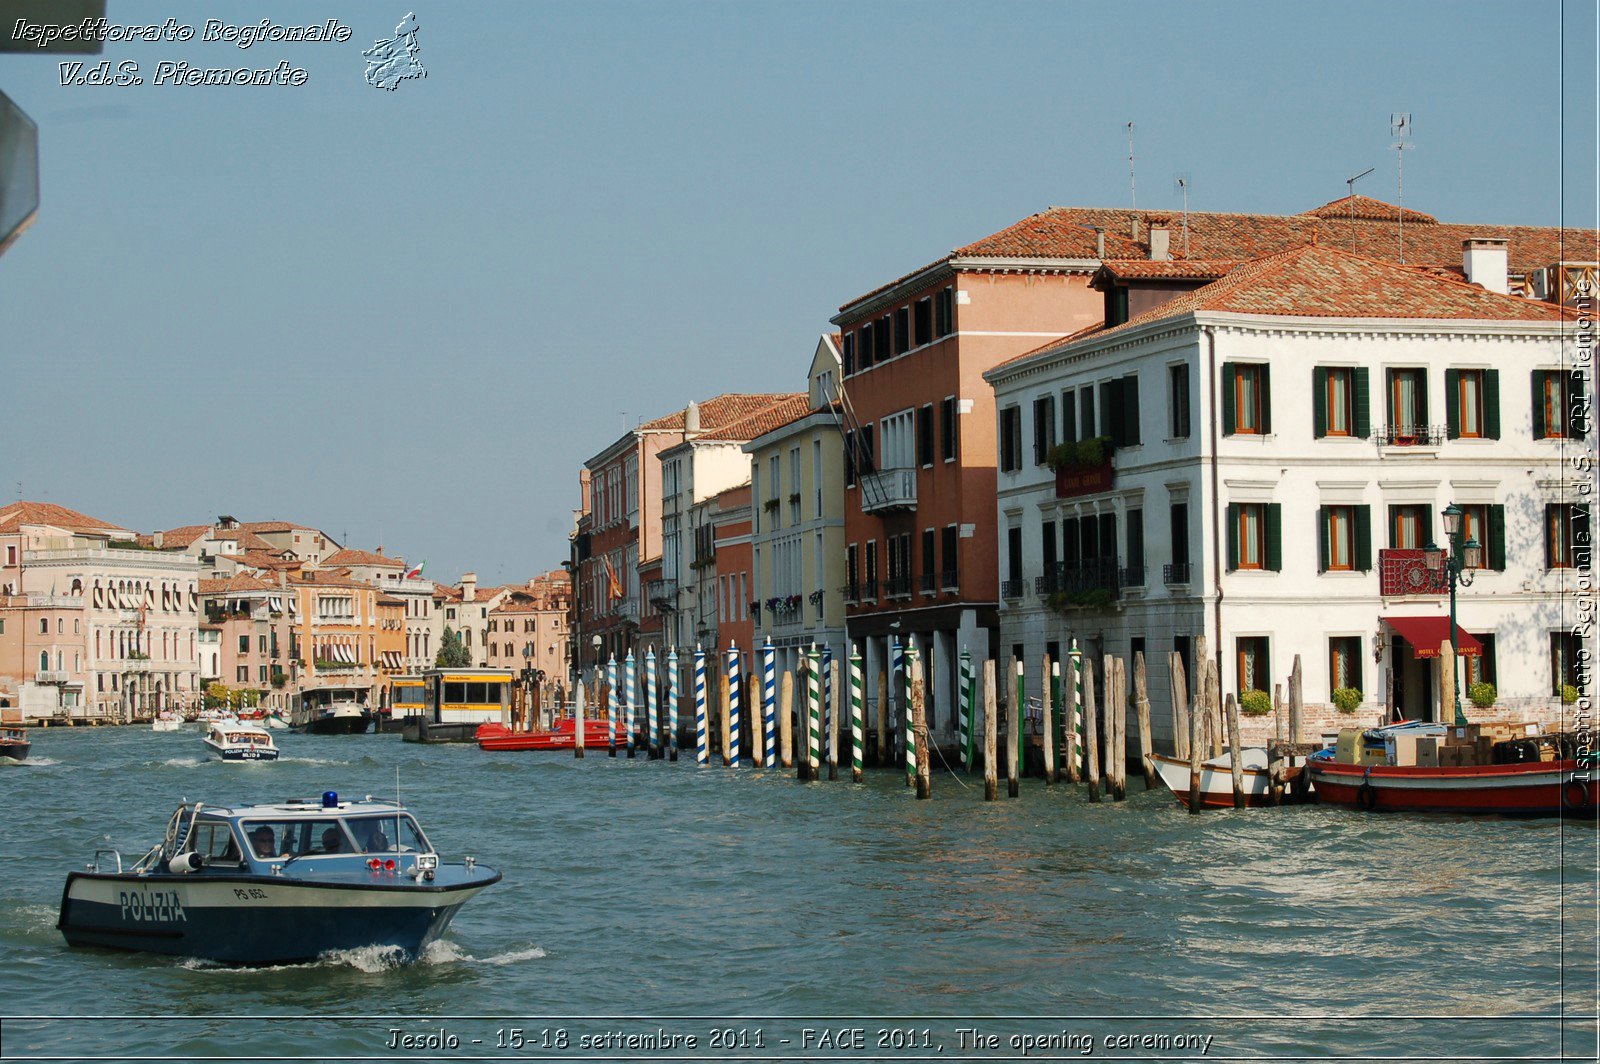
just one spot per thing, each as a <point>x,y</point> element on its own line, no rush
<point>1539,426</point>
<point>1363,403</point>
<point>1319,404</point>
<point>1495,549</point>
<point>1230,418</point>
<point>1363,559</point>
<point>1233,536</point>
<point>1428,533</point>
<point>1130,410</point>
<point>1266,399</point>
<point>1491,404</point>
<point>1423,409</point>
<point>1452,404</point>
<point>1274,537</point>
<point>1323,560</point>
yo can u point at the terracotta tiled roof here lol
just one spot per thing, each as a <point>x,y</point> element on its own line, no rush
<point>1168,269</point>
<point>1367,209</point>
<point>16,514</point>
<point>721,411</point>
<point>184,535</point>
<point>763,421</point>
<point>268,559</point>
<point>1052,234</point>
<point>236,583</point>
<point>352,556</point>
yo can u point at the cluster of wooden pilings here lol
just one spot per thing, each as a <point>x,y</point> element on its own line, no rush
<point>816,715</point>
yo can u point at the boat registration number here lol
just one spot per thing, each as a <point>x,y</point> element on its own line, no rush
<point>249,893</point>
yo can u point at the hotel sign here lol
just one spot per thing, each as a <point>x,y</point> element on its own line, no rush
<point>1083,480</point>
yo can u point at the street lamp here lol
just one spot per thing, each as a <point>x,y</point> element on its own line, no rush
<point>1458,567</point>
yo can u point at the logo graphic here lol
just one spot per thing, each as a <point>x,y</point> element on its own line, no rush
<point>393,61</point>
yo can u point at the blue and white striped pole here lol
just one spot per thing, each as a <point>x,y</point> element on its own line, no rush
<point>632,700</point>
<point>611,703</point>
<point>702,753</point>
<point>769,706</point>
<point>672,704</point>
<point>652,704</point>
<point>897,685</point>
<point>733,705</point>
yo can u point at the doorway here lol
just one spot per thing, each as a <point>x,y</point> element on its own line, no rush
<point>1413,681</point>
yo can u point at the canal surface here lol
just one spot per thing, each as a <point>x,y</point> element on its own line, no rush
<point>651,890</point>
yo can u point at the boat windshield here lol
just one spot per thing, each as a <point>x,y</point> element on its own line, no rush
<point>270,839</point>
<point>379,834</point>
<point>247,738</point>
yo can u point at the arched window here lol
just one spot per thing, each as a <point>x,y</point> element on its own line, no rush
<point>44,661</point>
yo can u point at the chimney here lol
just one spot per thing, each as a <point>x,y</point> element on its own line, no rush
<point>156,538</point>
<point>1160,244</point>
<point>691,420</point>
<point>469,587</point>
<point>1483,260</point>
<point>1099,243</point>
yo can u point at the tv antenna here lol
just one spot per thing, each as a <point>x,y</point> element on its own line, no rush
<point>1183,181</point>
<point>1400,130</point>
<point>1133,188</point>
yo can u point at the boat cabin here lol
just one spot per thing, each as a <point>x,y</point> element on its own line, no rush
<point>468,696</point>
<point>296,837</point>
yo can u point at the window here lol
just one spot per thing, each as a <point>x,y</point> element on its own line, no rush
<point>1487,525</point>
<point>1480,667</point>
<point>1408,405</point>
<point>865,348</point>
<point>242,674</point>
<point>929,579</point>
<point>1014,555</point>
<point>924,321</point>
<point>261,674</point>
<point>947,428</point>
<point>1553,394</point>
<point>1255,536</point>
<point>882,339</point>
<point>944,312</point>
<point>1255,670</point>
<point>44,626</point>
<point>1069,416</point>
<point>1010,439</point>
<point>244,644</point>
<point>852,572</point>
<point>1178,401</point>
<point>1339,402</point>
<point>1344,663</point>
<point>1119,410</point>
<point>849,353</point>
<point>849,466</point>
<point>902,330</point>
<point>1565,649</point>
<point>1410,527</point>
<point>925,435</point>
<point>947,554</point>
<point>1180,534</point>
<point>261,644</point>
<point>1246,399</point>
<point>870,589</point>
<point>1344,539</point>
<point>1085,413</point>
<point>1472,404</point>
<point>1044,428</point>
<point>1049,541</point>
<point>1566,534</point>
<point>1136,543</point>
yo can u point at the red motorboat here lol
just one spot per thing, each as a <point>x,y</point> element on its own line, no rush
<point>1532,788</point>
<point>563,736</point>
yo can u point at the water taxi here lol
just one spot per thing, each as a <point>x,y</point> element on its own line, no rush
<point>237,740</point>
<point>14,743</point>
<point>333,711</point>
<point>273,884</point>
<point>166,720</point>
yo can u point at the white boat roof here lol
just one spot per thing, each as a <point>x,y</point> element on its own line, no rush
<point>306,807</point>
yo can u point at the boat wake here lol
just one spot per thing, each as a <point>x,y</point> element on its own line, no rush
<point>450,953</point>
<point>184,762</point>
<point>32,762</point>
<point>376,959</point>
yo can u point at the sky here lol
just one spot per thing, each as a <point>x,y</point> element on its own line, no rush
<point>407,317</point>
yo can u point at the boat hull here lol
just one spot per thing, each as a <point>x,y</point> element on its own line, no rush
<point>226,753</point>
<point>256,920</point>
<point>338,725</point>
<point>15,751</point>
<point>1538,788</point>
<point>1216,783</point>
<point>562,737</point>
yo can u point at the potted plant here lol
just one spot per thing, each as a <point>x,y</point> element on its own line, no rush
<point>1482,694</point>
<point>1569,694</point>
<point>1255,703</point>
<point>1346,699</point>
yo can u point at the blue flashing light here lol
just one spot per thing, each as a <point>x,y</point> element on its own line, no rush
<point>330,799</point>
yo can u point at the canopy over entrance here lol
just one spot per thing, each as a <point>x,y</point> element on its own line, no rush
<point>1426,633</point>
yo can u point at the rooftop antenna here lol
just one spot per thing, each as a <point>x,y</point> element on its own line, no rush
<point>1183,181</point>
<point>1400,130</point>
<point>1350,183</point>
<point>1133,189</point>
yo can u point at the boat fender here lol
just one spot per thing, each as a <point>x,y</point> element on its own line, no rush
<point>1575,795</point>
<point>186,862</point>
<point>1366,794</point>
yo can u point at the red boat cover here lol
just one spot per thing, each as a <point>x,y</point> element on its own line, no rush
<point>1425,634</point>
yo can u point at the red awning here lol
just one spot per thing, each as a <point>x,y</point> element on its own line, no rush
<point>1425,634</point>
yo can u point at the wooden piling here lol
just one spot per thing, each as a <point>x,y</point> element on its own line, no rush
<point>1235,753</point>
<point>802,679</point>
<point>1047,711</point>
<point>1180,705</point>
<point>919,727</point>
<point>1014,718</point>
<point>833,724</point>
<point>885,753</point>
<point>725,705</point>
<point>1141,698</point>
<point>1072,751</point>
<point>1297,703</point>
<point>1118,703</point>
<point>991,777</point>
<point>786,718</point>
<point>1447,683</point>
<point>1091,733</point>
<point>1197,740</point>
<point>1276,765</point>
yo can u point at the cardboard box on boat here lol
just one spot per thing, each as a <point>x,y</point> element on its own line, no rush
<point>1420,751</point>
<point>1427,752</point>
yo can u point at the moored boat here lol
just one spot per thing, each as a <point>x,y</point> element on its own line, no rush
<point>237,740</point>
<point>14,743</point>
<point>333,711</point>
<point>273,884</point>
<point>166,720</point>
<point>1216,778</point>
<point>562,736</point>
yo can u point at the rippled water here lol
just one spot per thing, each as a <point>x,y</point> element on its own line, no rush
<point>661,890</point>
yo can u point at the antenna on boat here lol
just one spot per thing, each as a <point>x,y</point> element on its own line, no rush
<point>397,786</point>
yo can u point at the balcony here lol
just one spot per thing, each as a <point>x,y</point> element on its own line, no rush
<point>1131,576</point>
<point>1175,573</point>
<point>50,676</point>
<point>897,587</point>
<point>663,594</point>
<point>949,580</point>
<point>1011,589</point>
<point>627,608</point>
<point>1410,435</point>
<point>1087,584</point>
<point>889,491</point>
<point>852,594</point>
<point>930,583</point>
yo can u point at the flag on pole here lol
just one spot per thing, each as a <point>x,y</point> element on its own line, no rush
<point>613,585</point>
<point>415,573</point>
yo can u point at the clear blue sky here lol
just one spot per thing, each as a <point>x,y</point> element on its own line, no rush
<point>408,316</point>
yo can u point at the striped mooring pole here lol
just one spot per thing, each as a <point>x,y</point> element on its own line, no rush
<point>909,725</point>
<point>733,705</point>
<point>1077,687</point>
<point>897,684</point>
<point>828,723</point>
<point>769,705</point>
<point>1058,722</point>
<point>673,694</point>
<point>964,709</point>
<point>857,723</point>
<point>813,713</point>
<point>652,705</point>
<point>631,702</point>
<point>1020,711</point>
<point>702,753</point>
<point>611,703</point>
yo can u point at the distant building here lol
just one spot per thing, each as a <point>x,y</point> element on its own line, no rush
<point>529,628</point>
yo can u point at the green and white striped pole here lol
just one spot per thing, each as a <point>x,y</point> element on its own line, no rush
<point>813,713</point>
<point>1077,718</point>
<point>908,724</point>
<point>965,709</point>
<point>857,723</point>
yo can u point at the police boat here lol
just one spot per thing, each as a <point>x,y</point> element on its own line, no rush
<point>273,884</point>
